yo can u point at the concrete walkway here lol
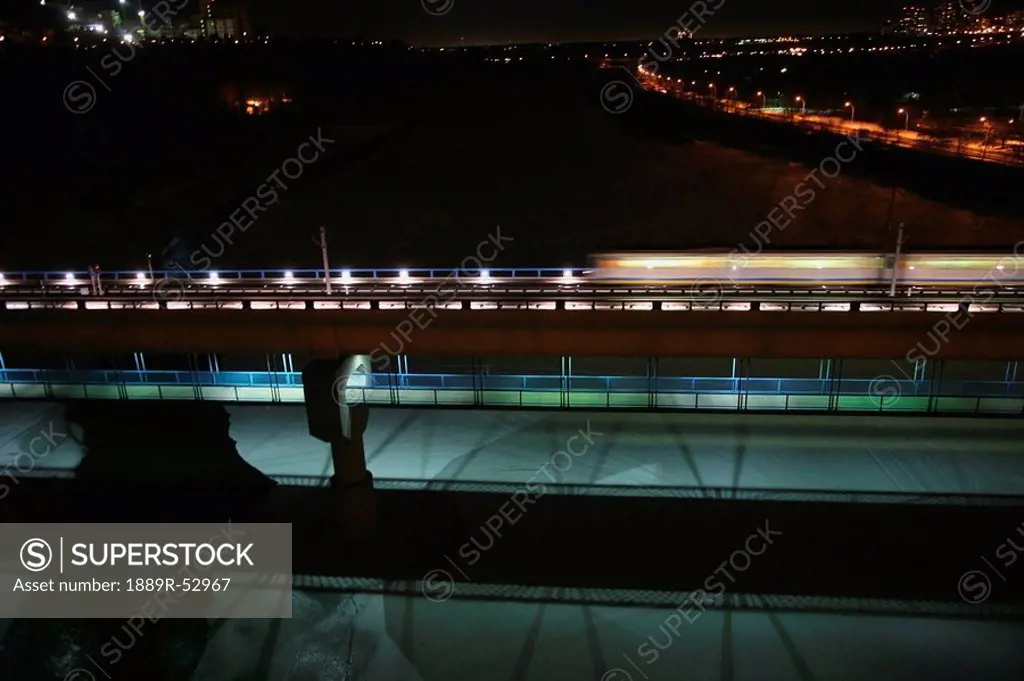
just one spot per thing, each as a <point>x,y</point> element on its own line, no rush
<point>413,639</point>
<point>834,453</point>
<point>371,637</point>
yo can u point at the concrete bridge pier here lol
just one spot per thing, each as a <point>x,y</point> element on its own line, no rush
<point>337,415</point>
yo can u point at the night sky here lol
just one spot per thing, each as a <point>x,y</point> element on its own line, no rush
<point>504,21</point>
<point>499,21</point>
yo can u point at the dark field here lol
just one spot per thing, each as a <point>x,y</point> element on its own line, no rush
<point>426,166</point>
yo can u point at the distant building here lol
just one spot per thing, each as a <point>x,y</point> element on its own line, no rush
<point>950,17</point>
<point>224,18</point>
<point>92,16</point>
<point>913,20</point>
<point>193,28</point>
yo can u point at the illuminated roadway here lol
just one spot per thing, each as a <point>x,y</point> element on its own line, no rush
<point>519,289</point>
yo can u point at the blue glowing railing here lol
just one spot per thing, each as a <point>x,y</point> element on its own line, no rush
<point>531,383</point>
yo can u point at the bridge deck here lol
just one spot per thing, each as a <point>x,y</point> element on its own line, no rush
<point>407,638</point>
<point>636,454</point>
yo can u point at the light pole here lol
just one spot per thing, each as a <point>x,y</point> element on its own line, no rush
<point>988,129</point>
<point>803,105</point>
<point>327,265</point>
<point>853,111</point>
<point>906,116</point>
<point>764,99</point>
<point>896,262</point>
<point>714,92</point>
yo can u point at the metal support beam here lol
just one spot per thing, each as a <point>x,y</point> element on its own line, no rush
<point>319,333</point>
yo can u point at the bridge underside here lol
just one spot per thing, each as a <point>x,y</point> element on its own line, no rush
<point>332,333</point>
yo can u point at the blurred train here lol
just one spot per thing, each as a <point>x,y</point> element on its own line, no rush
<point>932,270</point>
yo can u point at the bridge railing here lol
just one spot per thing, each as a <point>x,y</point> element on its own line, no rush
<point>532,383</point>
<point>274,276</point>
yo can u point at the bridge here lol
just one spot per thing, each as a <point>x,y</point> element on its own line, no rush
<point>840,340</point>
<point>926,393</point>
<point>535,289</point>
